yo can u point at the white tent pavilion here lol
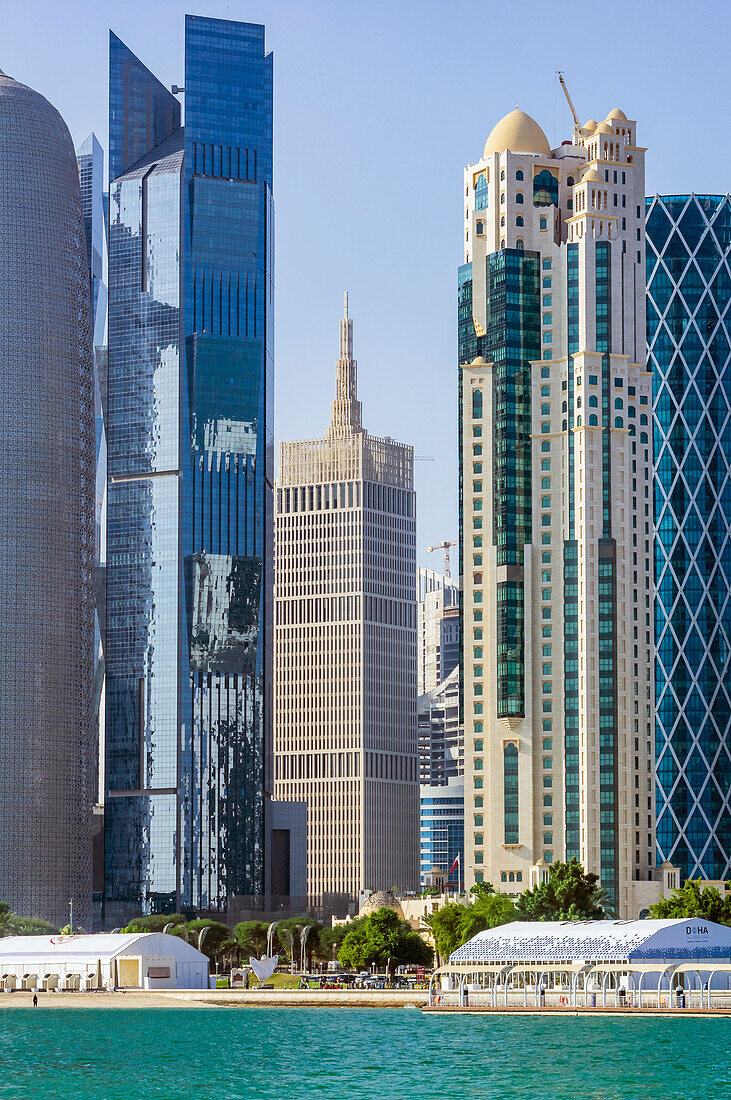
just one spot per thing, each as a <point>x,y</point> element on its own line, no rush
<point>567,962</point>
<point>129,960</point>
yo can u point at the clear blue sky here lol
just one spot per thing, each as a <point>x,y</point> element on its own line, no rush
<point>379,105</point>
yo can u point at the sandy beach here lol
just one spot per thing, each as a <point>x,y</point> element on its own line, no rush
<point>131,999</point>
<point>212,998</point>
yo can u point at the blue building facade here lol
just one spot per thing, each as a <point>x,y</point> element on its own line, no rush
<point>90,159</point>
<point>442,828</point>
<point>190,461</point>
<point>689,340</point>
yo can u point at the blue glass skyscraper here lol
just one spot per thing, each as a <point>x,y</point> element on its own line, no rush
<point>190,452</point>
<point>689,338</point>
<point>90,159</point>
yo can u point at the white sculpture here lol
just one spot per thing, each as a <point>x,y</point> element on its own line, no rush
<point>264,967</point>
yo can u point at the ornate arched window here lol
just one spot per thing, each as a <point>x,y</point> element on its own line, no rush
<point>477,404</point>
<point>545,189</point>
<point>481,192</point>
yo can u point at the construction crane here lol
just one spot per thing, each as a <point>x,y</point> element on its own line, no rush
<point>445,547</point>
<point>562,82</point>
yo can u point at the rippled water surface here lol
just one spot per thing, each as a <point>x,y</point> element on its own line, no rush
<point>295,1054</point>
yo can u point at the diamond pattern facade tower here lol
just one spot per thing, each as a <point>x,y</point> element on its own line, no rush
<point>345,648</point>
<point>555,510</point>
<point>689,338</point>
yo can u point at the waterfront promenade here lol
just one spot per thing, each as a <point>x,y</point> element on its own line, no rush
<point>347,999</point>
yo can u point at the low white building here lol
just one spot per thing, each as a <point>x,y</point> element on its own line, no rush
<point>129,960</point>
<point>583,963</point>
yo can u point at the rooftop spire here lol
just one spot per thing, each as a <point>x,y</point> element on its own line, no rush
<point>345,414</point>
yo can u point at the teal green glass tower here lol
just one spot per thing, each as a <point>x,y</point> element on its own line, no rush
<point>689,341</point>
<point>190,451</point>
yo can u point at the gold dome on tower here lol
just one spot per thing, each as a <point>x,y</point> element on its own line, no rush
<point>518,132</point>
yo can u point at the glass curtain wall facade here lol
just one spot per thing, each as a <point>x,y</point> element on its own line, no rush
<point>90,159</point>
<point>442,829</point>
<point>190,440</point>
<point>689,340</point>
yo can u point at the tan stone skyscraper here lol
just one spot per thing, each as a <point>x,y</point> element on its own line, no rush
<point>556,511</point>
<point>345,738</point>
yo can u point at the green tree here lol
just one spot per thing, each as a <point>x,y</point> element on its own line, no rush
<point>292,925</point>
<point>445,924</point>
<point>569,894</point>
<point>29,926</point>
<point>482,889</point>
<point>382,936</point>
<point>692,900</point>
<point>212,938</point>
<point>455,924</point>
<point>330,941</point>
<point>5,916</point>
<point>251,936</point>
<point>156,922</point>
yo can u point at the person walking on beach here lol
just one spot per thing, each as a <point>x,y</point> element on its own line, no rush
<point>35,1000</point>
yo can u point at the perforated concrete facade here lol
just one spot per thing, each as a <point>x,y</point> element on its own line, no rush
<point>46,516</point>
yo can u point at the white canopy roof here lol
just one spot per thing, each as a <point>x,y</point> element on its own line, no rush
<point>84,951</point>
<point>598,940</point>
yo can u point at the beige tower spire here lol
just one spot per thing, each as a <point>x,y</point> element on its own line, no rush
<point>345,410</point>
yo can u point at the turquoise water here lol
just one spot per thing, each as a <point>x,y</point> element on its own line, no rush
<point>298,1054</point>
